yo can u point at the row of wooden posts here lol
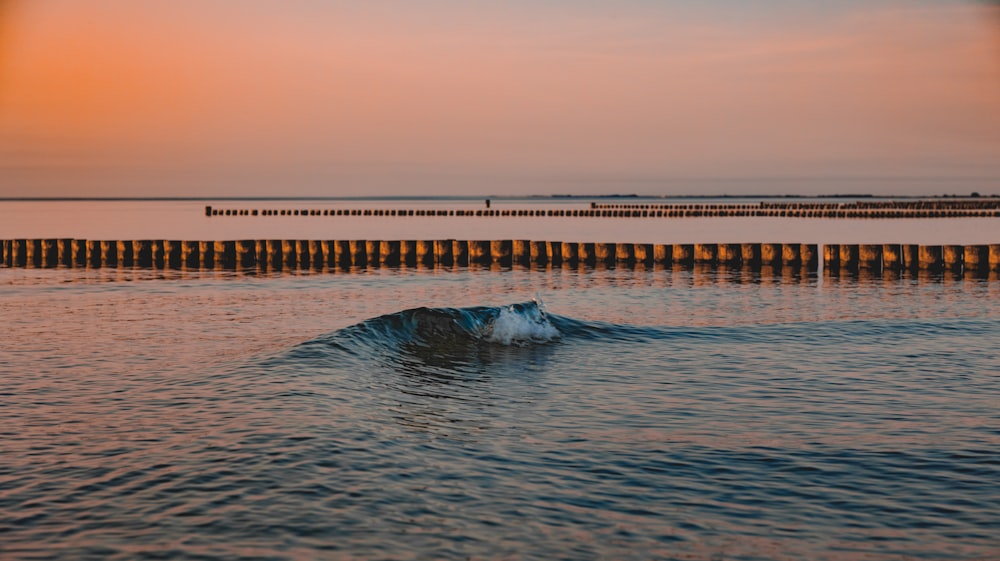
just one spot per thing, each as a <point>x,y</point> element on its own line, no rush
<point>672,211</point>
<point>918,204</point>
<point>318,254</point>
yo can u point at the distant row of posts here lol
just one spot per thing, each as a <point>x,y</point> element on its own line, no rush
<point>640,211</point>
<point>320,254</point>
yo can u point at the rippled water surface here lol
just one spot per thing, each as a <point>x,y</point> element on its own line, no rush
<point>432,414</point>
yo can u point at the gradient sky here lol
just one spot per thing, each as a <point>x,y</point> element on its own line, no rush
<point>504,97</point>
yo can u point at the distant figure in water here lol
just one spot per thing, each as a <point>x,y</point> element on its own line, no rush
<point>487,203</point>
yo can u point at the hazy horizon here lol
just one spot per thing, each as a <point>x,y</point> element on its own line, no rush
<point>113,98</point>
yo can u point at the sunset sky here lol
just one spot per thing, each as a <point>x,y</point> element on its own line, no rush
<point>512,97</point>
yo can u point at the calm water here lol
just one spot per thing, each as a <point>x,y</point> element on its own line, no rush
<point>186,220</point>
<point>432,414</point>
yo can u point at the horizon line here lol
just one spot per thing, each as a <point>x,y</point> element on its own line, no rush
<point>494,197</point>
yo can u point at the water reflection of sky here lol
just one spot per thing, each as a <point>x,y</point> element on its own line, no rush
<point>186,220</point>
<point>181,408</point>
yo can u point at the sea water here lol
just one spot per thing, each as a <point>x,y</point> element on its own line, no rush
<point>498,414</point>
<point>186,220</point>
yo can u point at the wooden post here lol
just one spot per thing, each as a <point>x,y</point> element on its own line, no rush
<point>172,253</point>
<point>501,252</point>
<point>643,253</point>
<point>50,253</point>
<point>33,253</point>
<point>729,254</point>
<point>359,255</point>
<point>706,253</point>
<point>342,253</point>
<point>191,254</point>
<point>40,256</point>
<point>870,257</point>
<point>33,250</point>
<point>791,254</point>
<point>142,251</point>
<point>953,257</point>
<point>553,250</point>
<point>931,257</point>
<point>750,255</point>
<point>831,256</point>
<point>206,254</point>
<point>65,253</point>
<point>246,254</point>
<point>624,253</point>
<point>479,252</point>
<point>911,256</point>
<point>160,258</point>
<point>977,258</point>
<point>388,252</point>
<point>275,255</point>
<point>19,253</point>
<point>109,253</point>
<point>443,252</point>
<point>330,253</point>
<point>262,260</point>
<point>125,252</point>
<point>662,254</point>
<point>225,254</point>
<point>521,252</point>
<point>425,252</point>
<point>8,253</point>
<point>93,253</point>
<point>892,256</point>
<point>586,253</point>
<point>570,253</point>
<point>302,252</point>
<point>809,254</point>
<point>289,254</point>
<point>683,254</point>
<point>770,254</point>
<point>460,252</point>
<point>602,254</point>
<point>408,253</point>
<point>849,256</point>
<point>994,258</point>
<point>373,252</point>
<point>539,253</point>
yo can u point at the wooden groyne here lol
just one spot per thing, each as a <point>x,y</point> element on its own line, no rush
<point>322,254</point>
<point>867,209</point>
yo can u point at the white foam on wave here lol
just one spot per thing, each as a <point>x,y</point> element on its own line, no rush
<point>513,327</point>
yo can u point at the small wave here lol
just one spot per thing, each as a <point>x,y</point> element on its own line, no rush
<point>465,338</point>
<point>448,329</point>
<point>521,324</point>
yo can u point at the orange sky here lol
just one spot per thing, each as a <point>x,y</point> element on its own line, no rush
<point>228,98</point>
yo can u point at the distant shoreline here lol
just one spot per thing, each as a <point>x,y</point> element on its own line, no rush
<point>554,197</point>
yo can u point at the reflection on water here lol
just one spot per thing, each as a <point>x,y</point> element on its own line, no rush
<point>697,414</point>
<point>453,393</point>
<point>698,273</point>
<point>186,220</point>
